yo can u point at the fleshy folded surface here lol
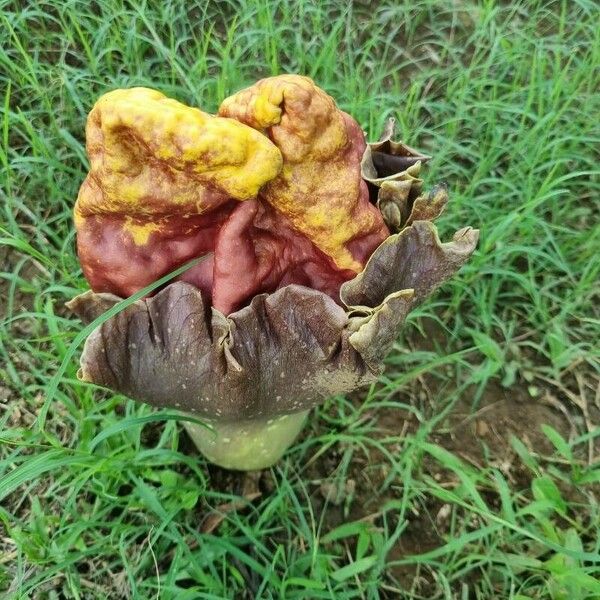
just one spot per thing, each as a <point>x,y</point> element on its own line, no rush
<point>169,183</point>
<point>304,290</point>
<point>320,189</point>
<point>163,179</point>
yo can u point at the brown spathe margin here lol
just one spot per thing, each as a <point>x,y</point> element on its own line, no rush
<point>284,353</point>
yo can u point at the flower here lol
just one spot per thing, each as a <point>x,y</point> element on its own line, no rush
<point>304,289</point>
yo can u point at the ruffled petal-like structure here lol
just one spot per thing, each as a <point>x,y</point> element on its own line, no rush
<point>284,353</point>
<point>302,290</point>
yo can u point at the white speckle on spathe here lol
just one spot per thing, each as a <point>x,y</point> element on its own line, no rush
<point>132,345</point>
<point>177,404</point>
<point>192,362</point>
<point>184,386</point>
<point>282,374</point>
<point>169,330</point>
<point>277,398</point>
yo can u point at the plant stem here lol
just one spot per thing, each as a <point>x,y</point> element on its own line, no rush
<point>249,444</point>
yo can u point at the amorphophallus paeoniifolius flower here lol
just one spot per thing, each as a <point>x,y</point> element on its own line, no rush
<point>316,247</point>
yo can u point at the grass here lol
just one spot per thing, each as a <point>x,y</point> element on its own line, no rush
<point>427,502</point>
